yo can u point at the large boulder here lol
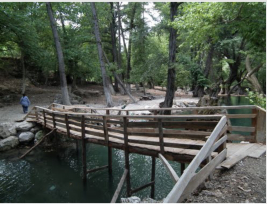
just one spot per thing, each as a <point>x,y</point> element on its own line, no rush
<point>7,129</point>
<point>24,126</point>
<point>8,143</point>
<point>26,137</point>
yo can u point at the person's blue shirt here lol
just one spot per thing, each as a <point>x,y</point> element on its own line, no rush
<point>24,101</point>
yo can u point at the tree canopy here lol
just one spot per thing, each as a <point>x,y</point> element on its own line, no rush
<point>213,41</point>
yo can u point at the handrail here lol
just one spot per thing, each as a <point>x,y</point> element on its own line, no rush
<point>180,186</point>
<point>134,116</point>
<point>160,109</point>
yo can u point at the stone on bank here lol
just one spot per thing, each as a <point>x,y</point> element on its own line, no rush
<point>8,143</point>
<point>26,137</point>
<point>7,129</point>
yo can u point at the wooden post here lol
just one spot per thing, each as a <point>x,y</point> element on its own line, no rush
<point>67,125</point>
<point>110,160</point>
<point>161,141</point>
<point>44,118</point>
<point>83,148</point>
<point>182,168</point>
<point>254,124</point>
<point>261,126</point>
<point>126,152</point>
<point>152,193</point>
<point>36,114</point>
<point>54,121</point>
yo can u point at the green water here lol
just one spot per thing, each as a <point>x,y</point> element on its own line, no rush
<point>233,101</point>
<point>56,176</point>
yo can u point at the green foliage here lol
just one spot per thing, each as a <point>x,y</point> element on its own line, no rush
<point>256,98</point>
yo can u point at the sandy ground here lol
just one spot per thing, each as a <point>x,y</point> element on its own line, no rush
<point>44,96</point>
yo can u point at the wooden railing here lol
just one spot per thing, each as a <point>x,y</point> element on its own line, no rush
<point>190,180</point>
<point>123,130</point>
<point>255,133</point>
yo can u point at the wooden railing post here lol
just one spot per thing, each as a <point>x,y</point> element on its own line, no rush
<point>44,118</point>
<point>260,136</point>
<point>36,114</point>
<point>161,141</point>
<point>126,152</point>
<point>67,125</point>
<point>254,124</point>
<point>54,121</point>
<point>83,148</point>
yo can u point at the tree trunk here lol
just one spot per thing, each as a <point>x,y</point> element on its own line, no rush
<point>252,78</point>
<point>130,49</point>
<point>119,47</point>
<point>61,65</point>
<point>171,67</point>
<point>113,42</point>
<point>23,73</point>
<point>100,55</point>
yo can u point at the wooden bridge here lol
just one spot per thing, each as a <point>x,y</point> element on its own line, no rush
<point>204,141</point>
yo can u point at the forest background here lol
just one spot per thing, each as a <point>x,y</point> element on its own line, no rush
<point>210,48</point>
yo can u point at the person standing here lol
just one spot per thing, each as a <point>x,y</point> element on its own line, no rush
<point>25,102</point>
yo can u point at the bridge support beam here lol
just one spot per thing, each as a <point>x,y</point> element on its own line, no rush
<point>110,160</point>
<point>153,172</point>
<point>182,168</point>
<point>83,149</point>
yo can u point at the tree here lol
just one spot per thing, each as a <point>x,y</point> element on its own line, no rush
<point>61,65</point>
<point>101,57</point>
<point>172,59</point>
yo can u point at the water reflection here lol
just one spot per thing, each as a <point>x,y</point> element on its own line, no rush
<point>56,176</point>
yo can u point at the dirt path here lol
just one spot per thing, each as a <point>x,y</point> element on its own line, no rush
<point>244,183</point>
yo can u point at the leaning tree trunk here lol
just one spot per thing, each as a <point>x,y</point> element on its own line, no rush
<point>61,65</point>
<point>101,55</point>
<point>252,78</point>
<point>171,67</point>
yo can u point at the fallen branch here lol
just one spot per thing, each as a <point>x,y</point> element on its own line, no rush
<point>37,143</point>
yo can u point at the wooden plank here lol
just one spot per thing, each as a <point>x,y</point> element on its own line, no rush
<point>179,187</point>
<point>241,128</point>
<point>119,187</point>
<point>97,169</point>
<point>161,141</point>
<point>241,115</point>
<point>238,137</point>
<point>257,152</point>
<point>237,156</point>
<point>142,187</point>
<point>202,175</point>
<point>172,173</point>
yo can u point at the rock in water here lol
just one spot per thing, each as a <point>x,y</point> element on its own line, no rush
<point>132,199</point>
<point>7,129</point>
<point>38,136</point>
<point>24,126</point>
<point>8,143</point>
<point>26,137</point>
